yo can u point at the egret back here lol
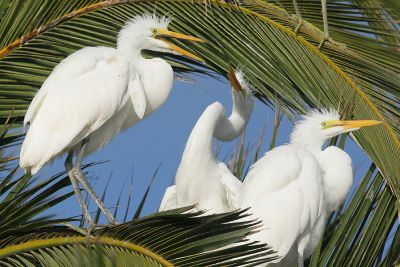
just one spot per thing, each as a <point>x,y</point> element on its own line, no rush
<point>73,66</point>
<point>284,189</point>
<point>82,93</point>
<point>199,173</point>
<point>275,170</point>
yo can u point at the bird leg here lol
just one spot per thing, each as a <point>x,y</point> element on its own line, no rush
<point>298,14</point>
<point>300,262</point>
<point>75,186</point>
<point>326,28</point>
<point>81,178</point>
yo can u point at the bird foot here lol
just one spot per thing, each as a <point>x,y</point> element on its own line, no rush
<point>329,39</point>
<point>300,261</point>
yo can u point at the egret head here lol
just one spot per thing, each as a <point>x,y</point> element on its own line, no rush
<point>151,32</point>
<point>318,126</point>
<point>242,95</point>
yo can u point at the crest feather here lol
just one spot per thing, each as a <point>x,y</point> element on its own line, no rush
<point>140,22</point>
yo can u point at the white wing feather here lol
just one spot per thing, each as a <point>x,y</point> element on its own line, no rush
<point>75,65</point>
<point>138,96</point>
<point>283,190</point>
<point>169,200</point>
<point>233,189</point>
<point>84,91</point>
<point>34,106</point>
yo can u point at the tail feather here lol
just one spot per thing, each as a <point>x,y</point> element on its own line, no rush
<point>35,151</point>
<point>42,145</point>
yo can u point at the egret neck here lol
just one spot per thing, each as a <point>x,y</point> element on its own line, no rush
<point>156,90</point>
<point>229,128</point>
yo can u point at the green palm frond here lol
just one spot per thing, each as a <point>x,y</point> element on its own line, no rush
<point>25,200</point>
<point>357,235</point>
<point>392,8</point>
<point>371,64</point>
<point>380,15</point>
<point>22,203</point>
<point>173,238</point>
<point>22,17</point>
<point>354,21</point>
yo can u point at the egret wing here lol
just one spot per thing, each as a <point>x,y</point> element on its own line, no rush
<point>233,188</point>
<point>169,200</point>
<point>283,189</point>
<point>34,106</point>
<point>81,94</point>
<point>138,95</point>
<point>278,168</point>
<point>75,65</point>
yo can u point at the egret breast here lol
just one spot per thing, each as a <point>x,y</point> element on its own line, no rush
<point>157,78</point>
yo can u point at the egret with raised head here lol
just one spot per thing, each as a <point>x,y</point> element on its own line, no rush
<point>201,179</point>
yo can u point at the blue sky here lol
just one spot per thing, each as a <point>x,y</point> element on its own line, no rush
<point>161,138</point>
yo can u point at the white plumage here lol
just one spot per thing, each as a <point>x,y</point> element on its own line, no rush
<point>201,179</point>
<point>96,92</point>
<point>294,187</point>
<point>290,202</point>
<point>83,93</point>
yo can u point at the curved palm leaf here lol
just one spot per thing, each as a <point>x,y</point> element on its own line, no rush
<point>173,238</point>
<point>354,21</point>
<point>379,75</point>
<point>22,17</point>
<point>23,200</point>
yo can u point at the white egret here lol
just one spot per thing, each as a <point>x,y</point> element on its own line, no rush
<point>96,92</point>
<point>294,187</point>
<point>201,179</point>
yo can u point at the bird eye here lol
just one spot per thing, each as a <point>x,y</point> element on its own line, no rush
<point>154,31</point>
<point>323,124</point>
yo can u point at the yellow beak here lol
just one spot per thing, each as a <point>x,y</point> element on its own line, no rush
<point>359,123</point>
<point>182,51</point>
<point>234,81</point>
<point>161,33</point>
<point>352,124</point>
<point>165,33</point>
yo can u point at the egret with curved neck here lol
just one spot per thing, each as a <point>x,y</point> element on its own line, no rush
<point>294,187</point>
<point>96,92</point>
<point>201,179</point>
